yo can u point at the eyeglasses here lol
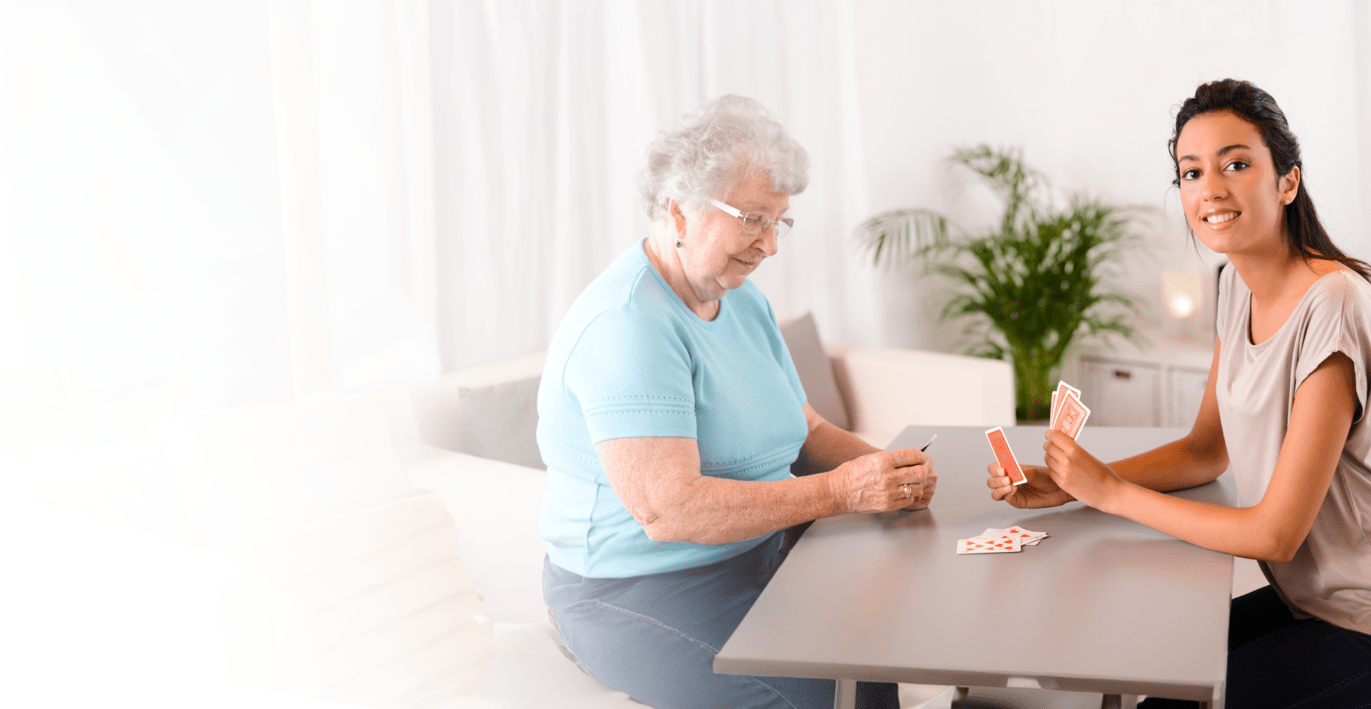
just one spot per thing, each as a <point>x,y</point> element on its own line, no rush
<point>755,222</point>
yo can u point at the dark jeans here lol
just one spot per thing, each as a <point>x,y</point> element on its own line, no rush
<point>1275,660</point>
<point>655,637</point>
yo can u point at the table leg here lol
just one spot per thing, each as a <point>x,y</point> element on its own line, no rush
<point>846,696</point>
<point>1111,701</point>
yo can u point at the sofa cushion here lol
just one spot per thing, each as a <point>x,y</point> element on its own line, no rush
<point>373,607</point>
<point>490,411</point>
<point>888,389</point>
<point>816,373</point>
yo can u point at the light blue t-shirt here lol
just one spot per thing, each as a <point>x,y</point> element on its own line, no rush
<point>631,360</point>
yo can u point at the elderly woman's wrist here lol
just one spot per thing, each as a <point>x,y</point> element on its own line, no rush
<point>839,501</point>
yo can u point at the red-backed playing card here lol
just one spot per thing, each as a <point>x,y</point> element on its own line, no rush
<point>1058,398</point>
<point>1071,416</point>
<point>1005,456</point>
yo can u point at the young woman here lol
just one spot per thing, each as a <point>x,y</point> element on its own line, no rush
<point>1285,409</point>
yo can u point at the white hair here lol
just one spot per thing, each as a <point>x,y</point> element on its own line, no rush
<point>715,147</point>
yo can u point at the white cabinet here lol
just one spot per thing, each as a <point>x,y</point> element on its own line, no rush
<point>1158,385</point>
<point>1121,393</point>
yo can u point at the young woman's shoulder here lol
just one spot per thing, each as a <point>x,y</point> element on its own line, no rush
<point>1343,294</point>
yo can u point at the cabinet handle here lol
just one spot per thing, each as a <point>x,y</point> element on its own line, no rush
<point>1123,374</point>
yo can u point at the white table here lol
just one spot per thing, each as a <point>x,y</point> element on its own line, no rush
<point>1102,605</point>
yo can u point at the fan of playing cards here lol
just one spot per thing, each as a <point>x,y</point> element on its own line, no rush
<point>1068,413</point>
<point>1000,541</point>
<point>1068,416</point>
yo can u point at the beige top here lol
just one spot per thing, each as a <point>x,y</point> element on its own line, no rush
<point>1330,576</point>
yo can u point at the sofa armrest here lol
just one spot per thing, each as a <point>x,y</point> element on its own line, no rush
<point>887,389</point>
<point>495,506</point>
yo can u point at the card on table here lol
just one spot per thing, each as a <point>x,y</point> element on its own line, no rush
<point>1026,537</point>
<point>1004,455</point>
<point>978,545</point>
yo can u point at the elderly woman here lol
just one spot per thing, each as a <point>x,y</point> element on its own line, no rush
<point>671,419</point>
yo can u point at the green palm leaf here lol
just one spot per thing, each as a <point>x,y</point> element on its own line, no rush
<point>1030,287</point>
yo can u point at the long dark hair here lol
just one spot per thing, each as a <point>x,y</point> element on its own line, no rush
<point>1308,239</point>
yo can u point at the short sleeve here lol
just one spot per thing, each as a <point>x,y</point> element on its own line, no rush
<point>1338,320</point>
<point>631,374</point>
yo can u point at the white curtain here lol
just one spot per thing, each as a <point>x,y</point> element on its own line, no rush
<point>544,110</point>
<point>206,204</point>
<point>354,143</point>
<point>203,205</point>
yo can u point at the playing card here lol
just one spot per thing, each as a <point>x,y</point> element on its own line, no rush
<point>1058,398</point>
<point>1004,455</point>
<point>976,545</point>
<point>1071,417</point>
<point>1026,537</point>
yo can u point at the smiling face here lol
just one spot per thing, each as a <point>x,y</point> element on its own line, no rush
<point>716,253</point>
<point>1232,196</point>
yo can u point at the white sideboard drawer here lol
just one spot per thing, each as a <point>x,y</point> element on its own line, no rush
<point>1121,393</point>
<point>1184,392</point>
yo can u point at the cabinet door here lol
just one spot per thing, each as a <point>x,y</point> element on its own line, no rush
<point>1121,393</point>
<point>1184,391</point>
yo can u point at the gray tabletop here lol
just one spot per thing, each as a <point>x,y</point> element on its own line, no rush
<point>1102,605</point>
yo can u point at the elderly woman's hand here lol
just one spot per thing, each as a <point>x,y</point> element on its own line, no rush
<point>888,480</point>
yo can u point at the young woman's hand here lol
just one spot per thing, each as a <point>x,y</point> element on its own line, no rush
<point>1078,473</point>
<point>1039,491</point>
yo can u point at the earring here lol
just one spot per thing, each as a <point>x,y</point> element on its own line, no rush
<point>678,243</point>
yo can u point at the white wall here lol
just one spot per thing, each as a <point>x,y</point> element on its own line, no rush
<point>1089,91</point>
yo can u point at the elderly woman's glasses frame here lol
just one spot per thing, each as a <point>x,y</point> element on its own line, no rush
<point>755,222</point>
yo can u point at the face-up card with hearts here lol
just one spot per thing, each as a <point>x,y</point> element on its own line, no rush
<point>1026,537</point>
<point>1071,417</point>
<point>977,545</point>
<point>1004,455</point>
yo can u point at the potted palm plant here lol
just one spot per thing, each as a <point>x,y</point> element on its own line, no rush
<point>1029,285</point>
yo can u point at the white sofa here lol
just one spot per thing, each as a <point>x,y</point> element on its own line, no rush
<point>377,549</point>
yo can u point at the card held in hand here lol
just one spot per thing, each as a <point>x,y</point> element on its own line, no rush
<point>1005,456</point>
<point>1071,416</point>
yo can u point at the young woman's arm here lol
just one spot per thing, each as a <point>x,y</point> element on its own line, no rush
<point>1271,530</point>
<point>1196,459</point>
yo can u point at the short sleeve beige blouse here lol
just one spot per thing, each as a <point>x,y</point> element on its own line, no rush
<point>1330,576</point>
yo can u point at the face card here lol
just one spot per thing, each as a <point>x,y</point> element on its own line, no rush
<point>1005,456</point>
<point>1071,418</point>
<point>977,545</point>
